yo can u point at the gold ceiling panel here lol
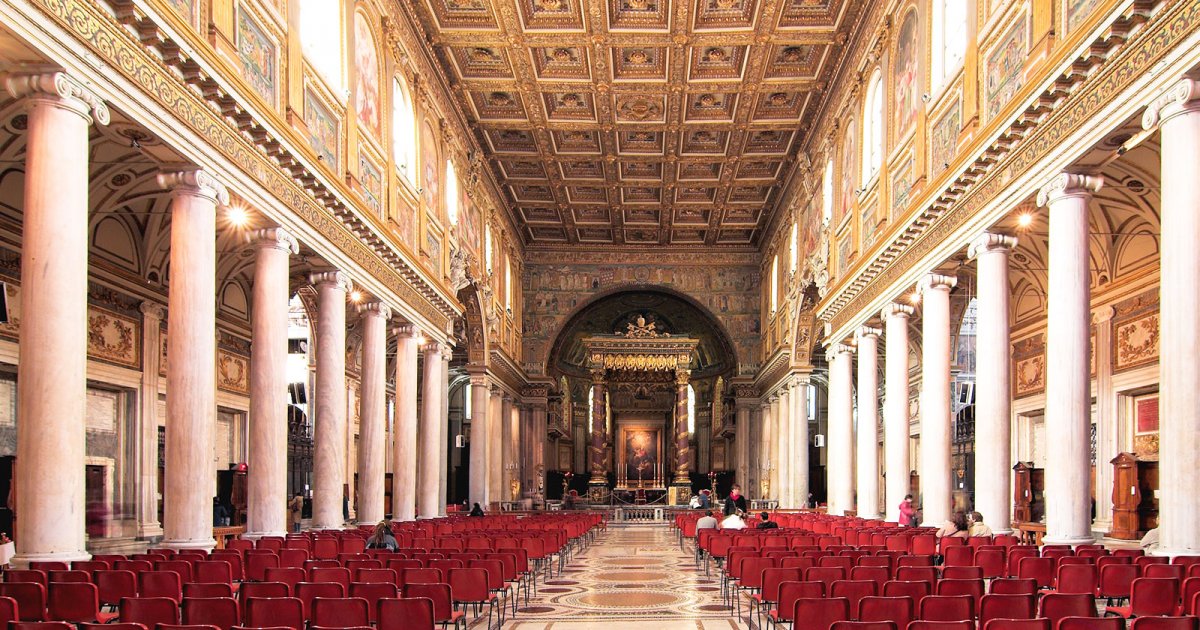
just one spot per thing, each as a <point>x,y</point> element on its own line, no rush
<point>640,122</point>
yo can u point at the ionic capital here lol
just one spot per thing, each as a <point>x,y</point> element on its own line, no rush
<point>1067,185</point>
<point>61,89</point>
<point>375,308</point>
<point>152,310</point>
<point>799,382</point>
<point>479,380</point>
<point>447,352</point>
<point>335,279</point>
<point>431,349</point>
<point>194,181</point>
<point>867,332</point>
<point>273,238</point>
<point>405,330</point>
<point>1180,98</point>
<point>991,242</point>
<point>836,350</point>
<point>936,282</point>
<point>897,310</point>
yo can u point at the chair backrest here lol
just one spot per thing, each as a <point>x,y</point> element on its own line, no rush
<point>1091,623</point>
<point>257,565</point>
<point>1040,569</point>
<point>76,602</point>
<point>201,589</point>
<point>309,591</point>
<point>916,574</point>
<point>263,590</point>
<point>854,591</point>
<point>878,575</point>
<point>341,575</point>
<point>408,613</point>
<point>149,611</point>
<point>1116,580</point>
<point>942,625</point>
<point>160,584</point>
<point>914,590</point>
<point>373,592</point>
<point>789,592</point>
<point>895,609</point>
<point>821,612</point>
<point>380,576</point>
<point>439,594</point>
<point>274,612</point>
<point>1055,606</point>
<point>1164,623</point>
<point>991,561</point>
<point>340,612</point>
<point>40,625</point>
<point>468,584</point>
<point>113,585</point>
<point>1154,596</point>
<point>1176,571</point>
<point>86,576</point>
<point>30,598</point>
<point>1013,586</point>
<point>36,576</point>
<point>182,567</point>
<point>221,612</point>
<point>1077,578</point>
<point>863,625</point>
<point>752,571</point>
<point>947,608</point>
<point>1017,624</point>
<point>959,556</point>
<point>974,588</point>
<point>1006,607</point>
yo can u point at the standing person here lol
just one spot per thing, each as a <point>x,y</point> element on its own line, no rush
<point>705,499</point>
<point>295,511</point>
<point>736,502</point>
<point>908,514</point>
<point>382,537</point>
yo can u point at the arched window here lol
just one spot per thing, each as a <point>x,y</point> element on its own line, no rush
<point>795,247</point>
<point>404,132</point>
<point>774,284</point>
<point>949,39</point>
<point>452,194</point>
<point>827,193</point>
<point>872,143</point>
<point>321,39</point>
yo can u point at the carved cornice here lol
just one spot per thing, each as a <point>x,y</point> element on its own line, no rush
<point>195,181</point>
<point>1066,185</point>
<point>274,238</point>
<point>60,87</point>
<point>1182,97</point>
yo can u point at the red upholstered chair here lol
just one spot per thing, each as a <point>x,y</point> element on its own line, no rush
<point>1040,569</point>
<point>1177,571</point>
<point>160,584</point>
<point>46,566</point>
<point>991,561</point>
<point>1116,581</point>
<point>149,611</point>
<point>309,591</point>
<point>1164,623</point>
<point>187,627</point>
<point>123,625</point>
<point>30,598</point>
<point>772,580</point>
<point>1013,586</point>
<point>974,588</point>
<point>947,608</point>
<point>221,612</point>
<point>898,610</point>
<point>916,590</point>
<point>262,590</point>
<point>821,612</point>
<point>8,611</point>
<point>410,613</point>
<point>1077,578</point>
<point>202,590</point>
<point>340,612</point>
<point>1056,606</point>
<point>265,612</point>
<point>443,604</point>
<point>470,586</point>
<point>373,592</point>
<point>1017,624</point>
<point>1150,597</point>
<point>85,576</point>
<point>789,592</point>
<point>257,564</point>
<point>40,625</point>
<point>916,574</point>
<point>1006,607</point>
<point>942,625</point>
<point>26,575</point>
<point>854,591</point>
<point>962,573</point>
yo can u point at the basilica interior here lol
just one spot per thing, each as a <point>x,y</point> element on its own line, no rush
<point>282,276</point>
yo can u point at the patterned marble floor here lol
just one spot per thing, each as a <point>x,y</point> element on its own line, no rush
<point>631,576</point>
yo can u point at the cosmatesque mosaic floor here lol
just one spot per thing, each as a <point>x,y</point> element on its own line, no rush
<point>632,576</point>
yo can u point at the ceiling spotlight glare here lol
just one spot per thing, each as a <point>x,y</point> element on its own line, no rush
<point>915,297</point>
<point>1025,220</point>
<point>237,216</point>
<point>356,296</point>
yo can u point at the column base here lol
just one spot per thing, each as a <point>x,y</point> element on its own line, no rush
<point>1159,551</point>
<point>150,530</point>
<point>1068,540</point>
<point>207,544</point>
<point>869,515</point>
<point>23,559</point>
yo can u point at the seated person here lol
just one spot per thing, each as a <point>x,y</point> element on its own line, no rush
<point>956,527</point>
<point>977,526</point>
<point>766,522</point>
<point>734,521</point>
<point>708,521</point>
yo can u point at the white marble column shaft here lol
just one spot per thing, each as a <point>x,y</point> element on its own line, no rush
<point>1179,434</point>
<point>783,411</point>
<point>495,469</point>
<point>867,436</point>
<point>840,444</point>
<point>148,490</point>
<point>766,455</point>
<point>799,443</point>
<point>742,447</point>
<point>191,358</point>
<point>329,431</point>
<point>507,458</point>
<point>372,429</point>
<point>444,428</point>
<point>1068,341</point>
<point>993,383</point>
<point>266,483</point>
<point>52,372</point>
<point>430,461</point>
<point>404,447</point>
<point>935,399</point>
<point>479,490</point>
<point>895,408</point>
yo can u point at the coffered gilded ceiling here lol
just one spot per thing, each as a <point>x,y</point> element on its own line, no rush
<point>640,122</point>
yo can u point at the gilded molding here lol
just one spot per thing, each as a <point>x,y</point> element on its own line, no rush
<point>61,86</point>
<point>274,238</point>
<point>1179,98</point>
<point>1064,185</point>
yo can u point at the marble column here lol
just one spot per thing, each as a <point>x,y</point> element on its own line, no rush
<point>935,398</point>
<point>993,382</point>
<point>444,428</point>
<point>1178,113</point>
<point>495,469</point>
<point>1108,427</point>
<point>1068,341</point>
<point>153,315</point>
<point>868,422</point>
<point>895,408</point>
<point>329,431</point>
<point>52,372</point>
<point>507,455</point>
<point>784,413</point>
<point>404,447</point>
<point>742,444</point>
<point>683,443</point>
<point>191,358</point>
<point>596,445</point>
<point>766,455</point>
<point>430,459</point>
<point>840,445</point>
<point>372,430</point>
<point>266,483</point>
<point>479,490</point>
<point>799,443</point>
